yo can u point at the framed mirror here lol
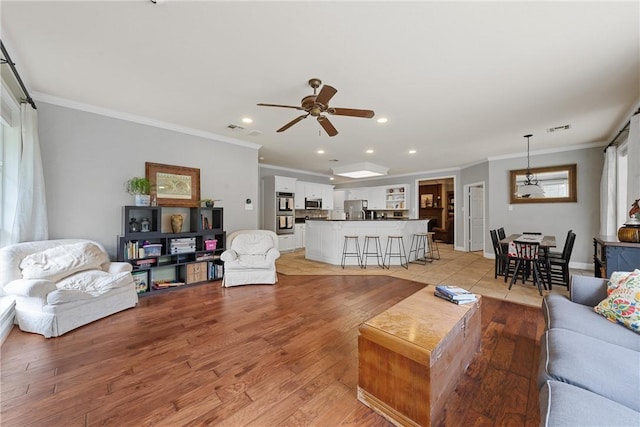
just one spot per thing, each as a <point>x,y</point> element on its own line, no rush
<point>557,182</point>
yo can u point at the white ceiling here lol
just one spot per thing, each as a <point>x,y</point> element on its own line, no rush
<point>458,81</point>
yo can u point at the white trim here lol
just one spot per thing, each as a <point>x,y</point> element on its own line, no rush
<point>549,151</point>
<point>264,165</point>
<point>465,221</point>
<point>50,99</point>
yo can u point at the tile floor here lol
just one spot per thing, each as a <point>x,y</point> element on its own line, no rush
<point>469,270</point>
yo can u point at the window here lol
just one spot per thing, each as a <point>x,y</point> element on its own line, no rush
<point>9,163</point>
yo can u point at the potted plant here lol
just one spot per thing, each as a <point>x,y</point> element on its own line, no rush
<point>141,189</point>
<point>208,202</point>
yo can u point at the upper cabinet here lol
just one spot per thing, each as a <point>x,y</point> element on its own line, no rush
<point>327,197</point>
<point>312,190</point>
<point>300,194</point>
<point>377,198</point>
<point>285,184</point>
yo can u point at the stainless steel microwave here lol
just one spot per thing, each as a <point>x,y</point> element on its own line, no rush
<point>313,203</point>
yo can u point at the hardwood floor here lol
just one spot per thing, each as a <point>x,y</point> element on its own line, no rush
<point>251,356</point>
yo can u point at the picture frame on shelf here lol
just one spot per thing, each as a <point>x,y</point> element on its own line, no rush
<point>426,200</point>
<point>174,185</point>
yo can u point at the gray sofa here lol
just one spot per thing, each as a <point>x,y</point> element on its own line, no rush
<point>589,373</point>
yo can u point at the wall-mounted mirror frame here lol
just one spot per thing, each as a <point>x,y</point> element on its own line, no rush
<point>539,173</point>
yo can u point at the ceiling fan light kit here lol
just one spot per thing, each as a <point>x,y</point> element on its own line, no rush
<point>317,104</point>
<point>360,170</point>
<point>530,188</point>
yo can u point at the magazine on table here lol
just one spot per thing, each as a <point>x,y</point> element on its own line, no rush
<point>455,293</point>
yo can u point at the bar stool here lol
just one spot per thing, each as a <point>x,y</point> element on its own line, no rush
<point>346,253</point>
<point>418,244</point>
<point>400,254</point>
<point>366,251</point>
<point>433,246</point>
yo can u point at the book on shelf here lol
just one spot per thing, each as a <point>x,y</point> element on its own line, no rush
<point>458,301</point>
<point>455,293</point>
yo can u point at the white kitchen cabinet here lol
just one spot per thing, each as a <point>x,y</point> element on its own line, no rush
<point>377,198</point>
<point>361,193</point>
<point>300,194</point>
<point>285,184</point>
<point>300,235</point>
<point>327,197</point>
<point>313,190</point>
<point>286,243</point>
<point>339,196</point>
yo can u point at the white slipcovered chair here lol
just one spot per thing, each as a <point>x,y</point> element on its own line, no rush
<point>60,285</point>
<point>250,258</point>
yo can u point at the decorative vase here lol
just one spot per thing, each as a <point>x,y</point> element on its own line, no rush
<point>134,225</point>
<point>142,200</point>
<point>209,203</point>
<point>630,231</point>
<point>145,225</point>
<point>176,223</point>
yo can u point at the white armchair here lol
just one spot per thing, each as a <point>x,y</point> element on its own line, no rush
<point>251,258</point>
<point>60,285</point>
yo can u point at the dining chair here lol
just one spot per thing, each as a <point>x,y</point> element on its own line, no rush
<point>559,267</point>
<point>501,233</point>
<point>556,254</point>
<point>500,256</point>
<point>526,254</point>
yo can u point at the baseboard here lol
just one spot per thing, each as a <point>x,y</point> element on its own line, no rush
<point>574,265</point>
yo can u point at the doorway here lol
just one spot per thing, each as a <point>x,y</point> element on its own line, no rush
<point>436,202</point>
<point>474,222</point>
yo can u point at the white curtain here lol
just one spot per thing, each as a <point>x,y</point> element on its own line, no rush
<point>608,189</point>
<point>30,221</point>
<point>633,159</point>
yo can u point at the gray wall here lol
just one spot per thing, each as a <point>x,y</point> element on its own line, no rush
<point>87,158</point>
<point>551,218</point>
<point>471,175</point>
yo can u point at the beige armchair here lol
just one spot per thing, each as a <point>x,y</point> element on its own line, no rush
<point>250,258</point>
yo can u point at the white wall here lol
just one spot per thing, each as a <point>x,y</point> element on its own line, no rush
<point>87,158</point>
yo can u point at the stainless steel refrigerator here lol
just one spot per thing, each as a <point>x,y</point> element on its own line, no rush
<point>355,209</point>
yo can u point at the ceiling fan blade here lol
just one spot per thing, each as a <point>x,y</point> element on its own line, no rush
<point>278,105</point>
<point>326,93</point>
<point>366,114</point>
<point>327,126</point>
<point>292,122</point>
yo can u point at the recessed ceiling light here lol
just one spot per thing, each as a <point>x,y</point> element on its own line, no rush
<point>247,120</point>
<point>412,151</point>
<point>261,158</point>
<point>331,178</point>
<point>382,120</point>
<point>320,151</point>
<point>369,151</point>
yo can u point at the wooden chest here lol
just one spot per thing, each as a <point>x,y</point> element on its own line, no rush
<point>196,272</point>
<point>412,356</point>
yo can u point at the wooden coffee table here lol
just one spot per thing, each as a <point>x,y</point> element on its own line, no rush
<point>412,355</point>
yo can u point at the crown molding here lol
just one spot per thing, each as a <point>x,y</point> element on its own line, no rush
<point>62,102</point>
<point>549,151</point>
<point>264,165</point>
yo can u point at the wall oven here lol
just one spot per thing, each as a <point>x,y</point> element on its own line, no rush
<point>284,202</point>
<point>313,203</point>
<point>284,213</point>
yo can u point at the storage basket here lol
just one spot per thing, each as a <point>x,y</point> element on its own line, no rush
<point>153,250</point>
<point>210,245</point>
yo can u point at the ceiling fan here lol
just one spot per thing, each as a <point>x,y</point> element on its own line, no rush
<point>317,104</point>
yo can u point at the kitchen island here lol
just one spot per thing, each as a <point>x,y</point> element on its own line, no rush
<point>324,239</point>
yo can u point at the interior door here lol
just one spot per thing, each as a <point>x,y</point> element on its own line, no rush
<point>476,218</point>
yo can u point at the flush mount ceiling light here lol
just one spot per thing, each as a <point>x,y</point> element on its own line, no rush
<point>360,170</point>
<point>530,187</point>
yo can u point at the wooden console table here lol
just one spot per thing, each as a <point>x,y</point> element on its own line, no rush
<point>412,356</point>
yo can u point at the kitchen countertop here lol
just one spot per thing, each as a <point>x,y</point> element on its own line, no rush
<point>362,220</point>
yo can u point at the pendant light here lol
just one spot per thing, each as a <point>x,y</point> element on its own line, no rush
<point>530,188</point>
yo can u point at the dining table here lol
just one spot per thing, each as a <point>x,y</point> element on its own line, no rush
<point>546,242</point>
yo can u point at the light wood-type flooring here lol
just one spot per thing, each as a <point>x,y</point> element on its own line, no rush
<point>251,356</point>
